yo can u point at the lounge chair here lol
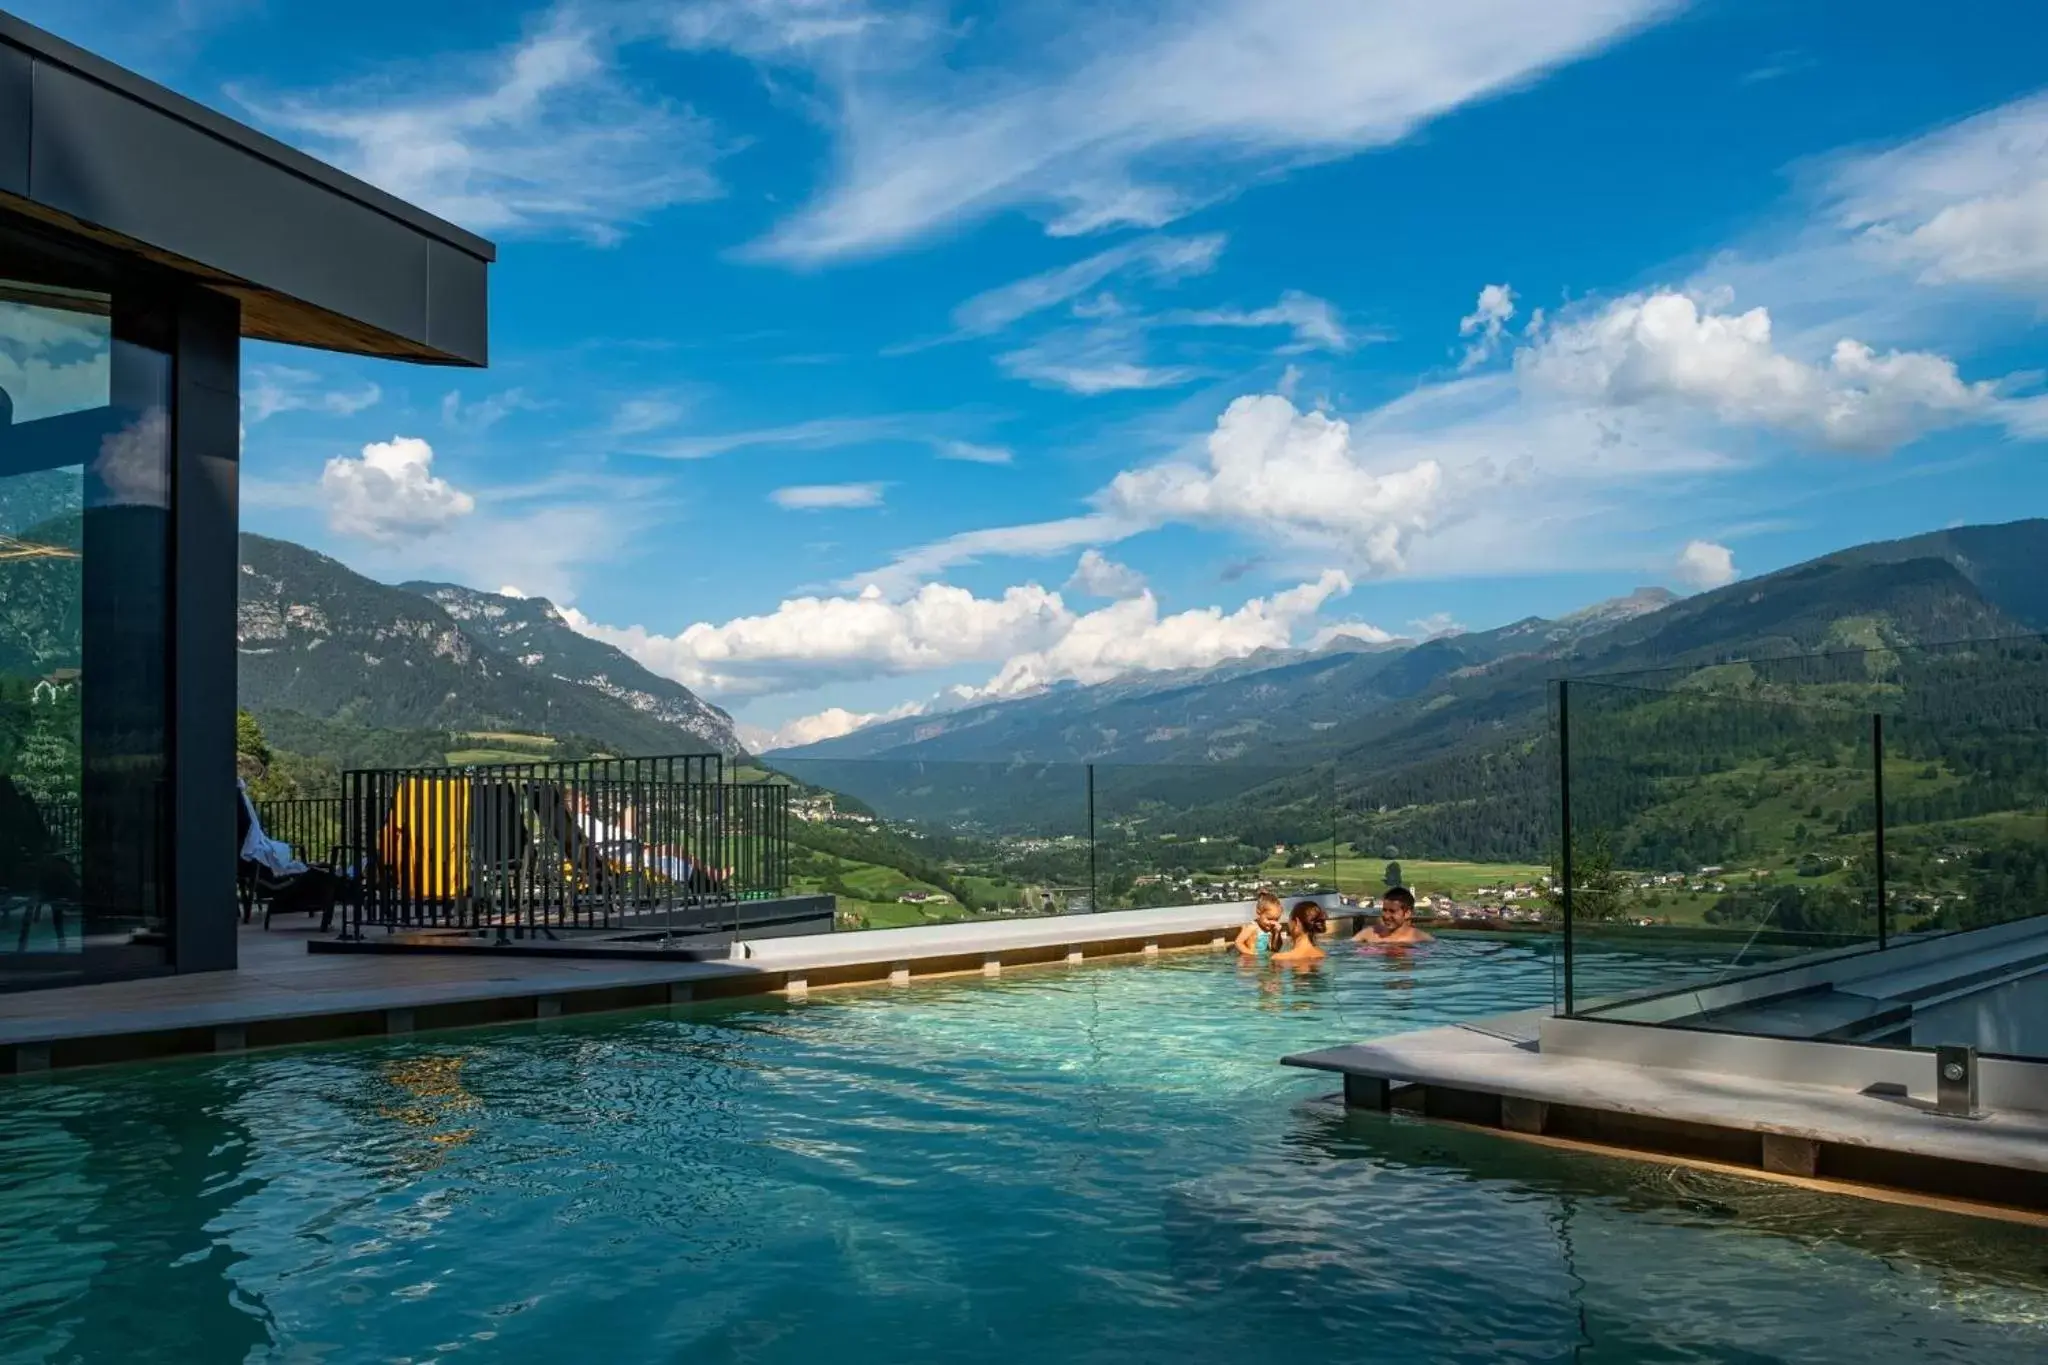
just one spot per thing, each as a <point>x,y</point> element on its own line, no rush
<point>267,872</point>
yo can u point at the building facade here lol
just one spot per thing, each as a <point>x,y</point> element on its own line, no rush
<point>142,237</point>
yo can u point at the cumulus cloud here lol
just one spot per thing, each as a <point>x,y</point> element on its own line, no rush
<point>831,723</point>
<point>133,466</point>
<point>1293,474</point>
<point>1702,564</point>
<point>1136,116</point>
<point>1097,575</point>
<point>1486,324</point>
<point>390,491</point>
<point>546,137</point>
<point>1030,633</point>
<point>1132,637</point>
<point>807,641</point>
<point>1663,348</point>
<point>819,497</point>
<point>1967,205</point>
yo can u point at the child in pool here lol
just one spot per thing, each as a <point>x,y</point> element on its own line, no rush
<point>1264,930</point>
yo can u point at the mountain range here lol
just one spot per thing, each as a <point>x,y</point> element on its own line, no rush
<point>1441,742</point>
<point>1284,707</point>
<point>320,641</point>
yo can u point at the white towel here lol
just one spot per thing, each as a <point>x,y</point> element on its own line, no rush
<point>273,855</point>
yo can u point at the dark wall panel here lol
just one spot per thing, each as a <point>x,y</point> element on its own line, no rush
<point>206,474</point>
<point>458,304</point>
<point>111,161</point>
<point>17,77</point>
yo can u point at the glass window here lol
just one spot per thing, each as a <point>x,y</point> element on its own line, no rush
<point>85,449</point>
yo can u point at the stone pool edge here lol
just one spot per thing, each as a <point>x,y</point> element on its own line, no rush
<point>318,998</point>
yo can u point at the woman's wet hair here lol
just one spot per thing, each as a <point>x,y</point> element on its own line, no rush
<point>1308,916</point>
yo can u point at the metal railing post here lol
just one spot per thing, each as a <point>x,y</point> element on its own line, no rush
<point>1093,903</point>
<point>1564,816</point>
<point>1884,913</point>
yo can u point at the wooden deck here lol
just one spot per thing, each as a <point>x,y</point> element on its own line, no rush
<point>284,994</point>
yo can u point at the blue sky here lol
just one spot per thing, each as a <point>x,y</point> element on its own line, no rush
<point>850,354</point>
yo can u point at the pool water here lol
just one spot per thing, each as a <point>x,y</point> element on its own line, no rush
<point>1082,1164</point>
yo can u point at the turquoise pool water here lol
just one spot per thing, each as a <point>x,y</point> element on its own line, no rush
<point>1090,1164</point>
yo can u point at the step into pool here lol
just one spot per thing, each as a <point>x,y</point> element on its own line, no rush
<point>1102,1163</point>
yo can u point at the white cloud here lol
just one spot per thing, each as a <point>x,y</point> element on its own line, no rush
<point>545,137</point>
<point>807,641</point>
<point>133,465</point>
<point>1702,564</point>
<point>1091,362</point>
<point>1030,540</point>
<point>53,360</point>
<point>1131,636</point>
<point>1436,625</point>
<point>1291,475</point>
<point>972,453</point>
<point>818,497</point>
<point>817,434</point>
<point>1316,323</point>
<point>1966,205</point>
<point>481,414</point>
<point>776,28</point>
<point>1034,637</point>
<point>1350,630</point>
<point>1097,575</point>
<point>390,492</point>
<point>1487,323</point>
<point>830,723</point>
<point>1662,348</point>
<point>268,390</point>
<point>1162,259</point>
<point>637,416</point>
<point>1120,118</point>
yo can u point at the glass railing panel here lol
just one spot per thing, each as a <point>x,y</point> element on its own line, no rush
<point>1717,829</point>
<point>898,844</point>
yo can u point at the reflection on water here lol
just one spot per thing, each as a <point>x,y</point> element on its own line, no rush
<point>1090,1164</point>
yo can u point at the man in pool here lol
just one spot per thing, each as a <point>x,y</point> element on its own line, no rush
<point>1396,923</point>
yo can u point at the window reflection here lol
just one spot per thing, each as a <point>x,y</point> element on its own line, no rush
<point>84,554</point>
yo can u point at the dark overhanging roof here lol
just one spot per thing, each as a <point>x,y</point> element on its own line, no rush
<point>317,257</point>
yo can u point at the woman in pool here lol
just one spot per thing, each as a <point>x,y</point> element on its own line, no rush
<point>1303,927</point>
<point>1264,930</point>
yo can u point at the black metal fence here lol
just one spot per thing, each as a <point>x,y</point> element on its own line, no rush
<point>311,825</point>
<point>532,848</point>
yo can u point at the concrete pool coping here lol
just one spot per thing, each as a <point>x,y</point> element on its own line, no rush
<point>1506,1073</point>
<point>282,994</point>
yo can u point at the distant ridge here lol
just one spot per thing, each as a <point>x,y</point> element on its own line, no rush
<point>318,639</point>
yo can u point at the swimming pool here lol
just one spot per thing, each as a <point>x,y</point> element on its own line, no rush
<point>1100,1163</point>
